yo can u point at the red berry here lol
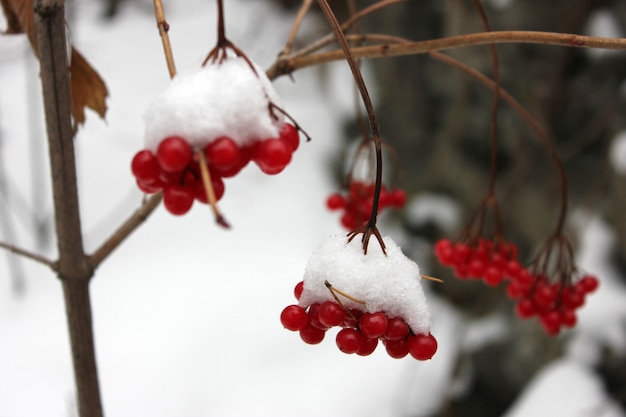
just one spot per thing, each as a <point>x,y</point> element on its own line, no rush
<point>200,190</point>
<point>294,318</point>
<point>398,198</point>
<point>314,317</point>
<point>331,314</point>
<point>223,153</point>
<point>349,340</point>
<point>544,296</point>
<point>588,283</point>
<point>397,349</point>
<point>149,188</point>
<point>145,167</point>
<point>272,155</point>
<point>297,291</point>
<point>352,318</point>
<point>422,346</point>
<point>444,251</point>
<point>476,268</point>
<point>367,346</point>
<point>525,308</point>
<point>174,154</point>
<point>348,221</point>
<point>178,199</point>
<point>312,335</point>
<point>551,322</point>
<point>396,329</point>
<point>373,325</point>
<point>572,298</point>
<point>335,202</point>
<point>290,134</point>
<point>568,318</point>
<point>493,276</point>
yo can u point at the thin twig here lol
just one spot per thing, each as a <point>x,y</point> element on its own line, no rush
<point>297,22</point>
<point>286,65</point>
<point>30,255</point>
<point>334,290</point>
<point>135,220</point>
<point>164,27</point>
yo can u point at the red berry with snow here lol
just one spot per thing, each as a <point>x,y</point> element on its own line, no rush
<point>422,346</point>
<point>373,325</point>
<point>330,314</point>
<point>272,155</point>
<point>173,154</point>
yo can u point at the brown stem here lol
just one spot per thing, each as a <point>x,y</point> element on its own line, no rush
<point>496,101</point>
<point>286,65</point>
<point>73,269</point>
<point>221,31</point>
<point>374,126</point>
<point>165,39</point>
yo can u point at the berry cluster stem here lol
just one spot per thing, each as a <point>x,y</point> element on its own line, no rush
<point>370,228</point>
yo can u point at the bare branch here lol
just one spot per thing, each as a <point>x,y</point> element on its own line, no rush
<point>286,65</point>
<point>29,255</point>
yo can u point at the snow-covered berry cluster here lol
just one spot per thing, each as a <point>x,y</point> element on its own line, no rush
<point>372,297</point>
<point>356,204</point>
<point>222,115</point>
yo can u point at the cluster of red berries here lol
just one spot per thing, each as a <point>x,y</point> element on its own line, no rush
<point>360,331</point>
<point>357,203</point>
<point>489,261</point>
<point>175,168</point>
<point>554,303</point>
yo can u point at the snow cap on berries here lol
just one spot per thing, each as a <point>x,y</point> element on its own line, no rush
<point>226,99</point>
<point>391,283</point>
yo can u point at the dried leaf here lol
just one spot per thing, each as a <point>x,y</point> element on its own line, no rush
<point>20,19</point>
<point>88,89</point>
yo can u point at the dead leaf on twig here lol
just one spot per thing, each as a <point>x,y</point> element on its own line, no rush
<point>88,88</point>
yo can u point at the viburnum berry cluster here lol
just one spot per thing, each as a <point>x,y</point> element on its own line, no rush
<point>208,125</point>
<point>551,288</point>
<point>491,262</point>
<point>554,304</point>
<point>356,204</point>
<point>374,297</point>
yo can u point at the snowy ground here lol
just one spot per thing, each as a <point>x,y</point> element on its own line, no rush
<point>186,314</point>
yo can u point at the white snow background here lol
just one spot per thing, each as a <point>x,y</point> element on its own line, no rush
<point>186,315</point>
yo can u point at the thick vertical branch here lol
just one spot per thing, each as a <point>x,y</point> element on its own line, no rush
<point>73,268</point>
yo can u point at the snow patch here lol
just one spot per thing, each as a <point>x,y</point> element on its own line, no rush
<point>202,104</point>
<point>388,283</point>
